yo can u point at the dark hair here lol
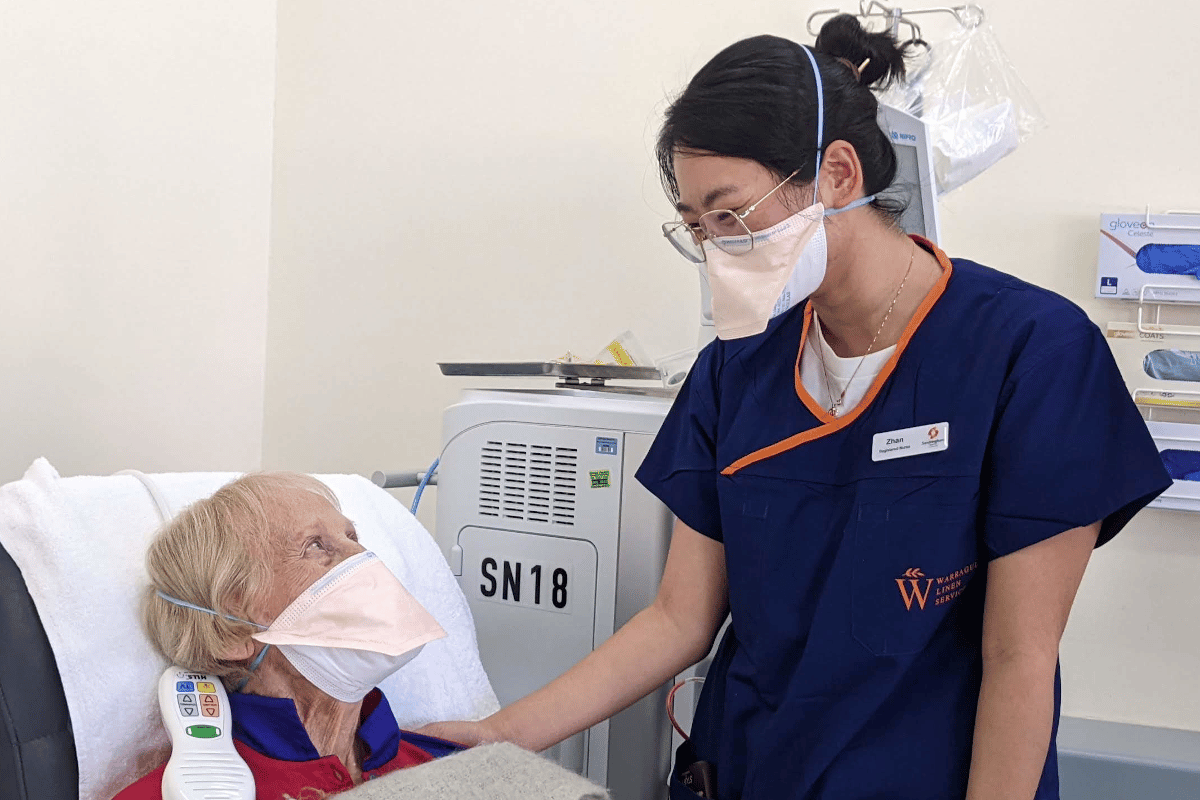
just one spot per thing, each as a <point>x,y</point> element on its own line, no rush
<point>756,99</point>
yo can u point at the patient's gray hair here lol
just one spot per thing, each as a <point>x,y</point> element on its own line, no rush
<point>217,554</point>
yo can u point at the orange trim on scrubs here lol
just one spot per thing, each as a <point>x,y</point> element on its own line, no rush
<point>831,424</point>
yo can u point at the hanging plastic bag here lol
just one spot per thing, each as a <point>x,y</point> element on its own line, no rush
<point>969,95</point>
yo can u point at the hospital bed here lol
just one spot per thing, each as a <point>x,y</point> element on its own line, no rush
<point>79,717</point>
<point>39,757</point>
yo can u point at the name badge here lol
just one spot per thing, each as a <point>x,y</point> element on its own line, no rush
<point>911,442</point>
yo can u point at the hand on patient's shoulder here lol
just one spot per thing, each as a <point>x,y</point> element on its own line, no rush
<point>470,734</point>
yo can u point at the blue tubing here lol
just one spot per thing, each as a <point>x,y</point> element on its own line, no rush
<point>424,482</point>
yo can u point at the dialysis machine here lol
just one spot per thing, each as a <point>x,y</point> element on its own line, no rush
<point>554,542</point>
<point>556,545</point>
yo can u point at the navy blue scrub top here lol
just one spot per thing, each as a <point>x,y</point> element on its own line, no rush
<point>852,667</point>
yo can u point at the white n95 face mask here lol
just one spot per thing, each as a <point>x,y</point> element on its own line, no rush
<point>352,628</point>
<point>750,289</point>
<point>785,266</point>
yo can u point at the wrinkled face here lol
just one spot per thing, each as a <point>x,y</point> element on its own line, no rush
<point>310,538</point>
<point>709,182</point>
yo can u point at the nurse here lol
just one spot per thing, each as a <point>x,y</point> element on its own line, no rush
<point>889,470</point>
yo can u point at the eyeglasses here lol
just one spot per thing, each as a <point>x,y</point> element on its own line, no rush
<point>724,228</point>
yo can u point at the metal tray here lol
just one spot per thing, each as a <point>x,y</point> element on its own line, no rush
<point>509,369</point>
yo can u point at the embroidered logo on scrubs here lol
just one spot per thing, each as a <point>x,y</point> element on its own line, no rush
<point>913,578</point>
<point>948,587</point>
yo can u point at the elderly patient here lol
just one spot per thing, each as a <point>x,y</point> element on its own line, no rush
<point>265,585</point>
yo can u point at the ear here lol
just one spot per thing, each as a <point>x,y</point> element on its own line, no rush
<point>841,175</point>
<point>242,649</point>
<point>238,652</point>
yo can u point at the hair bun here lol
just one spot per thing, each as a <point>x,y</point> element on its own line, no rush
<point>844,37</point>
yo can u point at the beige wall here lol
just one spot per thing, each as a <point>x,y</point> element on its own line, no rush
<point>474,180</point>
<point>1118,87</point>
<point>135,169</point>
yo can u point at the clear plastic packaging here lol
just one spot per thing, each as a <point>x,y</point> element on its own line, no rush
<point>625,351</point>
<point>675,368</point>
<point>971,98</point>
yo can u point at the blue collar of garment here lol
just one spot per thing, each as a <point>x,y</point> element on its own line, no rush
<point>271,726</point>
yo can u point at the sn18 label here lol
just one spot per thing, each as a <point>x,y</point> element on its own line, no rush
<point>525,583</point>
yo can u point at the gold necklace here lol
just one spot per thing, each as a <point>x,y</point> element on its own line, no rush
<point>835,404</point>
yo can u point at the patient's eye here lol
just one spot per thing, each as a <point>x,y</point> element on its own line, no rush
<point>314,546</point>
<point>352,534</point>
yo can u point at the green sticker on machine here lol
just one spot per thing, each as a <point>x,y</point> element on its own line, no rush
<point>601,479</point>
<point>203,731</point>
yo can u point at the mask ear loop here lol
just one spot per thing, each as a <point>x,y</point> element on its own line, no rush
<point>820,118</point>
<point>185,604</point>
<point>175,601</point>
<point>253,666</point>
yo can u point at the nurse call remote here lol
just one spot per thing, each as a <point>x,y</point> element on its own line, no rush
<point>204,764</point>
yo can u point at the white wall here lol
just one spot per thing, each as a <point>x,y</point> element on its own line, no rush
<point>474,180</point>
<point>1118,86</point>
<point>135,169</point>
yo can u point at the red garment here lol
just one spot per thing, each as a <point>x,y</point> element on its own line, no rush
<point>273,779</point>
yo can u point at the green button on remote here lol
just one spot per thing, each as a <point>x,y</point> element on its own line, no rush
<point>203,731</point>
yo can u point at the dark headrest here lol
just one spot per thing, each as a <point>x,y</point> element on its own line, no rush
<point>37,746</point>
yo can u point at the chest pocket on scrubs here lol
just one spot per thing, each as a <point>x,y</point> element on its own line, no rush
<point>911,564</point>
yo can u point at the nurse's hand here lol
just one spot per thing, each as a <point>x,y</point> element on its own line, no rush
<point>662,640</point>
<point>465,733</point>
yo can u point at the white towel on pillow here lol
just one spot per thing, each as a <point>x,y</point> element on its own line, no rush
<point>80,544</point>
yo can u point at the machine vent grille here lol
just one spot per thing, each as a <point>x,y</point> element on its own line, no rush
<point>534,482</point>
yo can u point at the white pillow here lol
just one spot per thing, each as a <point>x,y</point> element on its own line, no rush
<point>80,544</point>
